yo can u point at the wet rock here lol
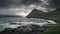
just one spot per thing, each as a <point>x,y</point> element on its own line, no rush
<point>31,29</point>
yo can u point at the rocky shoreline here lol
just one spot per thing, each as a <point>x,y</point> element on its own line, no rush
<point>32,29</point>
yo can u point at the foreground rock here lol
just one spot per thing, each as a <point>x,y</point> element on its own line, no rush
<point>32,29</point>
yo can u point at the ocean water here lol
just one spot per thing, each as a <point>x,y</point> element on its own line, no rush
<point>14,22</point>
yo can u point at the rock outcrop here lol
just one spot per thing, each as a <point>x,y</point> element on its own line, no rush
<point>32,29</point>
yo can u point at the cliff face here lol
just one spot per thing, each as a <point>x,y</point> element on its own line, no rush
<point>35,14</point>
<point>52,15</point>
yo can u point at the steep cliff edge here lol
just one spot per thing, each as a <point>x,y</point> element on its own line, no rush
<point>51,15</point>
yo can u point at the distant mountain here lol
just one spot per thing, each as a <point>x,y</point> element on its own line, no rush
<point>9,16</point>
<point>51,15</point>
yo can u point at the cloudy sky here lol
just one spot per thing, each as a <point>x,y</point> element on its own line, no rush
<point>24,7</point>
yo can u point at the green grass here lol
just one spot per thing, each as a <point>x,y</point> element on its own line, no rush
<point>52,15</point>
<point>53,30</point>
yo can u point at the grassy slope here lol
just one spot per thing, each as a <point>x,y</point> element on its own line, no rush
<point>52,15</point>
<point>53,30</point>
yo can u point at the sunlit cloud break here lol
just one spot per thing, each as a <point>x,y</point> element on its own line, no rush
<point>24,7</point>
<point>17,11</point>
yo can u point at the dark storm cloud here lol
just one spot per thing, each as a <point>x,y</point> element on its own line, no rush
<point>20,7</point>
<point>8,3</point>
<point>54,3</point>
<point>5,3</point>
<point>27,2</point>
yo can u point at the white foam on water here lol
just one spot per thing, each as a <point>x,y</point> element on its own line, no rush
<point>26,22</point>
<point>51,22</point>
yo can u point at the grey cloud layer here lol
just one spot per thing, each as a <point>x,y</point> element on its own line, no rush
<point>24,7</point>
<point>8,3</point>
<point>27,2</point>
<point>55,3</point>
